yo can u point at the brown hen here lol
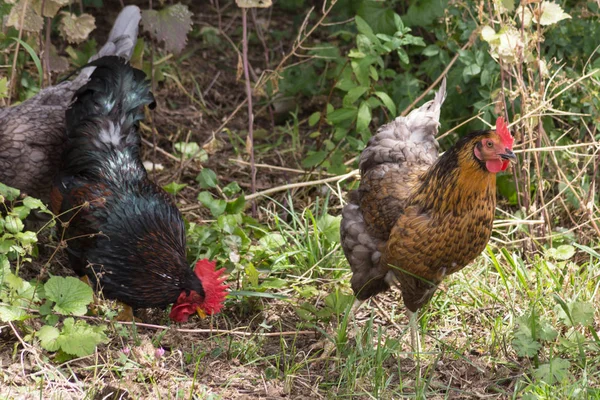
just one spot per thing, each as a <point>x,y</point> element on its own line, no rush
<point>417,217</point>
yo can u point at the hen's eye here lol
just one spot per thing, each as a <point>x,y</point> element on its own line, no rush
<point>489,144</point>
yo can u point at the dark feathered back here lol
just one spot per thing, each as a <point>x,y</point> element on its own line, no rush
<point>103,119</point>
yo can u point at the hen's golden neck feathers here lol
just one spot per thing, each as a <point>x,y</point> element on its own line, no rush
<point>457,180</point>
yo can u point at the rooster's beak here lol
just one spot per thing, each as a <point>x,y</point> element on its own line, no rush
<point>509,155</point>
<point>200,312</point>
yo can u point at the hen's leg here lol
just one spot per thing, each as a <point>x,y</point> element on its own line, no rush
<point>413,326</point>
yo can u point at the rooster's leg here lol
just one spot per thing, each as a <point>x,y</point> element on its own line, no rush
<point>414,331</point>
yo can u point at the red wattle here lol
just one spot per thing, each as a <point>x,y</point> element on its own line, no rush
<point>495,166</point>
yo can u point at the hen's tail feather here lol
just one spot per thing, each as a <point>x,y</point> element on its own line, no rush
<point>407,139</point>
<point>121,39</point>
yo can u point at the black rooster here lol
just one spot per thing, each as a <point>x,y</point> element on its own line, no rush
<point>123,231</point>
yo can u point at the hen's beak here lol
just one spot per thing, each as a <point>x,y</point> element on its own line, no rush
<point>200,312</point>
<point>508,155</point>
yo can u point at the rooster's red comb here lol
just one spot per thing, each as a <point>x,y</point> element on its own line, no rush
<point>502,131</point>
<point>212,282</point>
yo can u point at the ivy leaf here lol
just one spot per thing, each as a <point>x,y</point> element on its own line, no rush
<point>580,312</point>
<point>231,189</point>
<point>207,178</point>
<point>32,22</point>
<point>51,7</point>
<point>169,25</point>
<point>174,188</point>
<point>71,295</point>
<point>189,149</point>
<point>330,227</point>
<point>75,28</point>
<point>562,252</point>
<point>48,336</point>
<point>553,372</point>
<point>272,241</point>
<point>524,345</point>
<point>80,339</point>
<point>551,13</point>
<point>237,205</point>
<point>216,206</point>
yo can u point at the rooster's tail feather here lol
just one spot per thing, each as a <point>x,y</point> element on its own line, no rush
<point>102,123</point>
<point>122,38</point>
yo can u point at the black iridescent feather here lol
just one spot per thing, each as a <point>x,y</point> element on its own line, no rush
<point>124,232</point>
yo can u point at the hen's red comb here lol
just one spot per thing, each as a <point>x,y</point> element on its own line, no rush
<point>212,282</point>
<point>502,131</point>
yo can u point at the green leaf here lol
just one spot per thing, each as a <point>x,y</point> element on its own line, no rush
<point>169,25</point>
<point>48,336</point>
<point>252,275</point>
<point>71,295</point>
<point>314,159</point>
<point>80,339</point>
<point>551,13</point>
<point>174,188</point>
<point>330,227</point>
<point>33,203</point>
<point>388,102</point>
<point>562,252</point>
<point>553,372</point>
<point>582,313</point>
<point>509,5</point>
<point>189,149</point>
<point>13,224</point>
<point>3,87</point>
<point>231,189</point>
<point>364,118</point>
<point>524,345</point>
<point>12,313</point>
<point>341,115</point>
<point>273,283</point>
<point>314,118</point>
<point>353,95</point>
<point>431,50</point>
<point>237,205</point>
<point>272,241</point>
<point>216,206</point>
<point>207,178</point>
<point>471,70</point>
<point>9,193</point>
<point>362,26</point>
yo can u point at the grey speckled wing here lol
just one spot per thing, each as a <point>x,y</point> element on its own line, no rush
<point>32,134</point>
<point>391,167</point>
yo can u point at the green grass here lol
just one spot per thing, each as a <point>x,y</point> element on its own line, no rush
<point>505,326</point>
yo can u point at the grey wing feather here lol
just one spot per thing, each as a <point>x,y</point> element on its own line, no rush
<point>407,139</point>
<point>32,134</point>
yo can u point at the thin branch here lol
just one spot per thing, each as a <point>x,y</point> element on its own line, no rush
<point>250,138</point>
